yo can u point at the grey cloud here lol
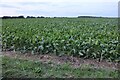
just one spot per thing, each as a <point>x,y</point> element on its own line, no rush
<point>8,6</point>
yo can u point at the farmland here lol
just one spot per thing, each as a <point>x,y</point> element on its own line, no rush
<point>82,37</point>
<point>88,39</point>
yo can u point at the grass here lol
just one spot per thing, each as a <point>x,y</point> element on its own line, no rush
<point>18,68</point>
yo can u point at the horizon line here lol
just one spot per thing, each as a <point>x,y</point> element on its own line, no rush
<point>57,16</point>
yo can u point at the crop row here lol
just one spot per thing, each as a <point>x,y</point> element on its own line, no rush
<point>84,37</point>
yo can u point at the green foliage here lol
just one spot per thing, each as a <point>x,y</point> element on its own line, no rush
<point>83,37</point>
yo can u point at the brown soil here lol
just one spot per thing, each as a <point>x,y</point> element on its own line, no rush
<point>74,62</point>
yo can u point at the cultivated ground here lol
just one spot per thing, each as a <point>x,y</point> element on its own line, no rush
<point>47,45</point>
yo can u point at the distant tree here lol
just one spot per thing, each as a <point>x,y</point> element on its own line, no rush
<point>55,17</point>
<point>47,17</point>
<point>38,17</point>
<point>88,17</point>
<point>42,17</point>
<point>30,17</point>
<point>14,17</point>
<point>6,17</point>
<point>20,16</point>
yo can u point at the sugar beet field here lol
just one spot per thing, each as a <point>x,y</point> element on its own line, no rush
<point>60,47</point>
<point>95,38</point>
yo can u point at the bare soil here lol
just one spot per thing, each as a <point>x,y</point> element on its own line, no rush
<point>74,61</point>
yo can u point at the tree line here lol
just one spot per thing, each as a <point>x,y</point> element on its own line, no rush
<point>15,17</point>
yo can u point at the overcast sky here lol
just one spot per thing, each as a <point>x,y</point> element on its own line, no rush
<point>69,8</point>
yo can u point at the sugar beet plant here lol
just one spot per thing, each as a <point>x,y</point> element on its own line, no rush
<point>82,37</point>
